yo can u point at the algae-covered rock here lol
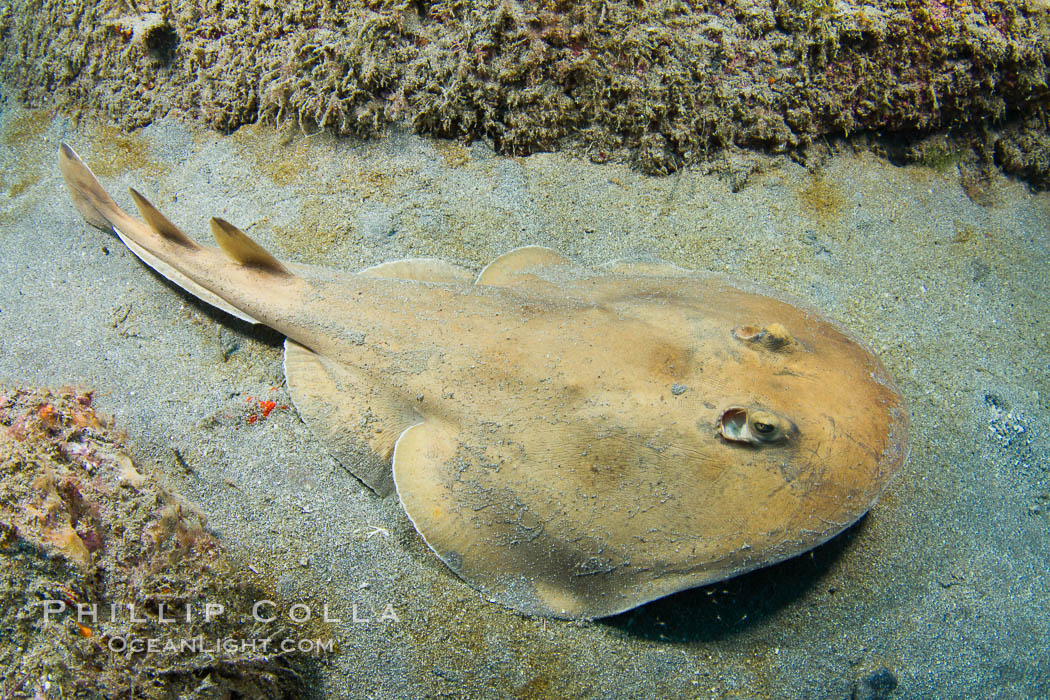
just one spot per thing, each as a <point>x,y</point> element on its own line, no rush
<point>662,83</point>
<point>111,584</point>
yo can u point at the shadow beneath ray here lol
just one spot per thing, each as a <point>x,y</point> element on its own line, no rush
<point>721,609</point>
<point>257,331</point>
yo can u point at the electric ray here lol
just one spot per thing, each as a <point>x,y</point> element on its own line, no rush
<point>572,442</point>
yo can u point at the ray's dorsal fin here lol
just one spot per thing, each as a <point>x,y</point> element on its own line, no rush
<point>236,243</point>
<point>160,223</point>
<point>506,268</point>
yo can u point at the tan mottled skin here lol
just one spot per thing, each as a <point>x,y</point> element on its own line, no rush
<point>558,446</point>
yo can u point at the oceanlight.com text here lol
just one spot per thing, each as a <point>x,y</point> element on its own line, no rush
<point>230,645</point>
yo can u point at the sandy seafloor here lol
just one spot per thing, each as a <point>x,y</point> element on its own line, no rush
<point>940,592</point>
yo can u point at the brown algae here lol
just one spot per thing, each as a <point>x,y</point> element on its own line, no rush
<point>661,84</point>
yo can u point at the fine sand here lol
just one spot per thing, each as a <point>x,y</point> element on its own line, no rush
<point>940,592</point>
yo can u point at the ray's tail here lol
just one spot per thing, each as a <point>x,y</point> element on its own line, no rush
<point>160,244</point>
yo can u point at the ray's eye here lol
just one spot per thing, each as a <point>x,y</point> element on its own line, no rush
<point>773,337</point>
<point>755,426</point>
<point>766,426</point>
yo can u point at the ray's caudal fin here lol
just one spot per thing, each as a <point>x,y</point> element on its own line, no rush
<point>161,244</point>
<point>99,209</point>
